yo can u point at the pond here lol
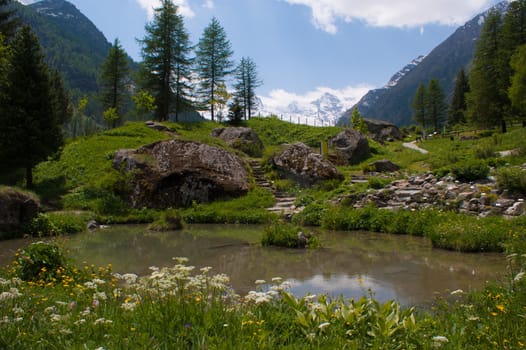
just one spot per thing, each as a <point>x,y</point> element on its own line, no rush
<point>351,264</point>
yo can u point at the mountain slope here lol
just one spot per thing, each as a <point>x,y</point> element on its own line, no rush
<point>394,104</point>
<point>72,43</point>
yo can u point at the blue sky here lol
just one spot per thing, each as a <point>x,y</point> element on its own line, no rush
<point>305,47</point>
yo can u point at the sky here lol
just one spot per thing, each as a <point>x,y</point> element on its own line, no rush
<point>303,48</point>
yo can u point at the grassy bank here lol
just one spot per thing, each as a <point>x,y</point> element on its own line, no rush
<point>62,307</point>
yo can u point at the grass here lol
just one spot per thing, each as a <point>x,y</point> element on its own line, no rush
<point>183,307</point>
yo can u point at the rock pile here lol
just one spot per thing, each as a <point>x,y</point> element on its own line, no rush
<point>426,191</point>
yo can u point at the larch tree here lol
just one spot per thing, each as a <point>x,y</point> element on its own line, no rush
<point>517,90</point>
<point>114,80</point>
<point>419,106</point>
<point>213,63</point>
<point>246,82</point>
<point>166,67</point>
<point>33,112</point>
<point>435,105</point>
<point>487,100</point>
<point>458,105</point>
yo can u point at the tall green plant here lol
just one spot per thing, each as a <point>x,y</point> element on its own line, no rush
<point>213,63</point>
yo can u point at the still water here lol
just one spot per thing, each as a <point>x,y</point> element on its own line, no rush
<point>351,264</point>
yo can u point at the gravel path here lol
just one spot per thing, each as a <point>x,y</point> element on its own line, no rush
<point>413,146</point>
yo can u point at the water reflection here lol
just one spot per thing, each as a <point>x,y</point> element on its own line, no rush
<point>351,264</point>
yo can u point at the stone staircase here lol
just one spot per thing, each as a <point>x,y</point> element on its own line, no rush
<point>284,202</point>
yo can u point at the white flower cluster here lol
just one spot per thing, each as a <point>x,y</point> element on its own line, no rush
<point>265,292</point>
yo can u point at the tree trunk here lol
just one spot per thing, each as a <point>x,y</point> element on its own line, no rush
<point>503,126</point>
<point>29,177</point>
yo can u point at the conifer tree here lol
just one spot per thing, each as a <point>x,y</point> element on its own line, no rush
<point>357,121</point>
<point>213,63</point>
<point>245,86</point>
<point>435,105</point>
<point>8,20</point>
<point>487,101</point>
<point>419,106</point>
<point>33,114</point>
<point>114,80</point>
<point>166,63</point>
<point>458,105</point>
<point>517,91</point>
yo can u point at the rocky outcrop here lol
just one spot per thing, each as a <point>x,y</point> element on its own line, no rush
<point>300,163</point>
<point>351,145</point>
<point>382,131</point>
<point>16,209</point>
<point>244,139</point>
<point>384,166</point>
<point>426,191</point>
<point>176,173</point>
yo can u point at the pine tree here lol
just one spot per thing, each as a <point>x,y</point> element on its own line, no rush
<point>357,121</point>
<point>114,80</point>
<point>4,64</point>
<point>213,62</point>
<point>33,114</point>
<point>458,105</point>
<point>166,63</point>
<point>8,20</point>
<point>419,106</point>
<point>487,101</point>
<point>517,90</point>
<point>245,87</point>
<point>435,105</point>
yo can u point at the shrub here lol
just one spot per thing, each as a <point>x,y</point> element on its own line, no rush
<point>377,182</point>
<point>281,234</point>
<point>512,179</point>
<point>41,261</point>
<point>484,151</point>
<point>471,170</point>
<point>169,220</point>
<point>311,215</point>
<point>55,224</point>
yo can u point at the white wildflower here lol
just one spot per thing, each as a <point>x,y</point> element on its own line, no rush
<point>90,285</point>
<point>206,269</point>
<point>310,297</point>
<point>61,303</point>
<point>4,282</point>
<point>277,279</point>
<point>258,282</point>
<point>5,319</point>
<point>18,319</point>
<point>98,281</point>
<point>55,317</point>
<point>458,291</point>
<point>128,306</point>
<point>65,331</point>
<point>130,278</point>
<point>79,322</point>
<point>181,260</point>
<point>324,325</point>
<point>18,311</point>
<point>439,340</point>
<point>519,276</point>
<point>100,295</point>
<point>50,309</point>
<point>102,321</point>
<point>86,312</point>
<point>473,318</point>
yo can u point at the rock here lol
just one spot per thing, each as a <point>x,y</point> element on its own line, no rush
<point>504,203</point>
<point>515,210</point>
<point>244,139</point>
<point>157,126</point>
<point>384,166</point>
<point>175,173</point>
<point>301,164</point>
<point>302,240</point>
<point>16,208</point>
<point>352,146</point>
<point>92,225</point>
<point>382,131</point>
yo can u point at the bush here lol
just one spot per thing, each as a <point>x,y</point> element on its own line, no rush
<point>311,215</point>
<point>55,224</point>
<point>281,234</point>
<point>512,180</point>
<point>41,261</point>
<point>471,170</point>
<point>169,220</point>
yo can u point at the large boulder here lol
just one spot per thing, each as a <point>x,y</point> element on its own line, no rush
<point>244,139</point>
<point>300,163</point>
<point>175,173</point>
<point>382,131</point>
<point>351,145</point>
<point>16,208</point>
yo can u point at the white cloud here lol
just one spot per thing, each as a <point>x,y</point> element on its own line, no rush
<point>389,13</point>
<point>149,5</point>
<point>279,100</point>
<point>209,4</point>
<point>27,2</point>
